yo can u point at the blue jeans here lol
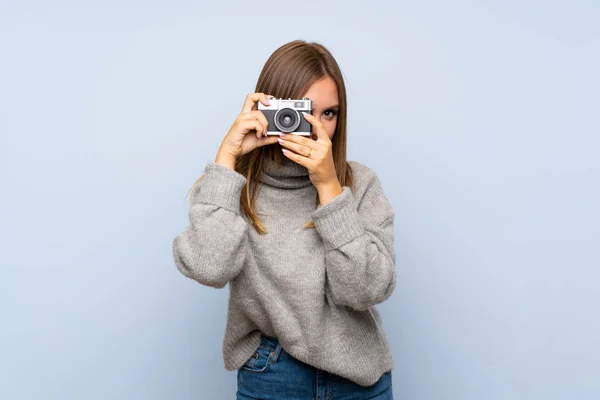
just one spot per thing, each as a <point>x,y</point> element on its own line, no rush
<point>273,374</point>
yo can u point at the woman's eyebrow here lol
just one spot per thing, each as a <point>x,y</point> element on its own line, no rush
<point>333,106</point>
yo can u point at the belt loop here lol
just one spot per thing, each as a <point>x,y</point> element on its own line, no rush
<point>275,353</point>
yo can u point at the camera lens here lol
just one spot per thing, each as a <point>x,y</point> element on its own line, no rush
<point>287,120</point>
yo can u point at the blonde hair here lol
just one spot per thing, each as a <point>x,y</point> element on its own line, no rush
<point>288,73</point>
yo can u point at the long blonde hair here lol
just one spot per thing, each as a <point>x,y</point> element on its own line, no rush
<point>288,73</point>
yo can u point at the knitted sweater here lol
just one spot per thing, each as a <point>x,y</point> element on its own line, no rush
<point>314,289</point>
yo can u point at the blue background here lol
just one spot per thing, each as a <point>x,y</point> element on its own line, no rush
<point>480,118</point>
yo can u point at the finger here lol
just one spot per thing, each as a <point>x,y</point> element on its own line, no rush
<point>297,158</point>
<point>251,124</point>
<point>304,140</point>
<point>297,148</point>
<point>256,116</point>
<point>294,157</point>
<point>252,99</point>
<point>260,129</point>
<point>319,128</point>
<point>261,117</point>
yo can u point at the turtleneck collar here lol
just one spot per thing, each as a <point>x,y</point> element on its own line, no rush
<point>289,175</point>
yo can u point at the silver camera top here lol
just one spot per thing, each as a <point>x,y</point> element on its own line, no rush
<point>303,104</point>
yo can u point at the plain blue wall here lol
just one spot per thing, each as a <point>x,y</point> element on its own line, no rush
<point>481,119</point>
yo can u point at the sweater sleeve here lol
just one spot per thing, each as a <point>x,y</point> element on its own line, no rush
<point>359,246</point>
<point>213,248</point>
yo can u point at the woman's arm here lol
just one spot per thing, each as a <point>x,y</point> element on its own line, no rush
<point>359,246</point>
<point>212,249</point>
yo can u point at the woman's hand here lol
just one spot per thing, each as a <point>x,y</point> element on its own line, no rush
<point>249,130</point>
<point>320,163</point>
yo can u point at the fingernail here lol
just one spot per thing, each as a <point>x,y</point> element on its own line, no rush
<point>305,113</point>
<point>283,134</point>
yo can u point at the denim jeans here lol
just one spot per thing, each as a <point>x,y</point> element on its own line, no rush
<point>271,373</point>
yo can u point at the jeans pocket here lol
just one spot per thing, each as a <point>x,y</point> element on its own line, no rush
<point>259,361</point>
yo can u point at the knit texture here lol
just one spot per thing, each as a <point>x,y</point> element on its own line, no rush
<point>314,289</point>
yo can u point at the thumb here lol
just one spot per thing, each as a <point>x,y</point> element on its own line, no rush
<point>264,141</point>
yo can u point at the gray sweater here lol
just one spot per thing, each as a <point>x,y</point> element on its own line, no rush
<point>314,289</point>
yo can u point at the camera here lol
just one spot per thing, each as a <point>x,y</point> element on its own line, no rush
<point>284,115</point>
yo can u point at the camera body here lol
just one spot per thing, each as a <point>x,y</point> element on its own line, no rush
<point>284,115</point>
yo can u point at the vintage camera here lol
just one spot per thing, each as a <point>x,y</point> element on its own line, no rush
<point>285,115</point>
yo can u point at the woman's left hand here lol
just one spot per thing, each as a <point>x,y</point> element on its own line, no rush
<point>320,165</point>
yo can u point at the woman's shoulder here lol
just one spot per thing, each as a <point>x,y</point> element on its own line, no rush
<point>358,165</point>
<point>364,176</point>
<point>368,190</point>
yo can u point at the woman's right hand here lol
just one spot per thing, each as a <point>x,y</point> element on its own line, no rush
<point>249,129</point>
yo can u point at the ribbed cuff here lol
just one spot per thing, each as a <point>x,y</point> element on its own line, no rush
<point>222,186</point>
<point>338,221</point>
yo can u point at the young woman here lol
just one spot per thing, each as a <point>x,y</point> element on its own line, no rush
<point>303,237</point>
